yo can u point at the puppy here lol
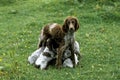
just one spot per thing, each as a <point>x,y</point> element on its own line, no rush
<point>45,57</point>
<point>67,60</point>
<point>33,57</point>
<point>48,57</point>
<point>42,56</point>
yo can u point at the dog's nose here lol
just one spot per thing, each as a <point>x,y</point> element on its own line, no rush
<point>71,29</point>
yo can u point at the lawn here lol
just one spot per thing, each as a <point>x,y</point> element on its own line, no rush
<point>98,36</point>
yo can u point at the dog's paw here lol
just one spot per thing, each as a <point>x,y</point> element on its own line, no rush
<point>58,66</point>
<point>74,65</point>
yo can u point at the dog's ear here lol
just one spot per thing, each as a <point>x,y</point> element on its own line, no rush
<point>65,26</point>
<point>76,24</point>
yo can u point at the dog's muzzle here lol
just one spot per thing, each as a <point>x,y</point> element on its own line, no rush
<point>71,27</point>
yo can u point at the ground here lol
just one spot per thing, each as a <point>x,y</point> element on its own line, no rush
<point>98,36</point>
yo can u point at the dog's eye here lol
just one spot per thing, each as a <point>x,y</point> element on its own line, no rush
<point>68,22</point>
<point>73,22</point>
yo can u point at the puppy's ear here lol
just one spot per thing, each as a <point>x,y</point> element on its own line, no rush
<point>76,24</point>
<point>65,26</point>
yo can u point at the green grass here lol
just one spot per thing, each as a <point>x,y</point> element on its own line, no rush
<point>99,38</point>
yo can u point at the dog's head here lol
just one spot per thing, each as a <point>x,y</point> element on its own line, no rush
<point>70,24</point>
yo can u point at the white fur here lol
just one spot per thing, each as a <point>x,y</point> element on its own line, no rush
<point>76,59</point>
<point>41,35</point>
<point>42,60</point>
<point>52,26</point>
<point>68,62</point>
<point>33,57</point>
<point>69,37</point>
<point>77,47</point>
<point>66,54</point>
<point>39,59</point>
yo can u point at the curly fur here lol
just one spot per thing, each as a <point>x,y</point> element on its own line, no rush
<point>51,31</point>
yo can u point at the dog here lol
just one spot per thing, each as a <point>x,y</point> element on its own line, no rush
<point>33,57</point>
<point>63,37</point>
<point>45,57</point>
<point>54,33</point>
<point>50,38</point>
<point>67,54</point>
<point>69,27</point>
<point>42,58</point>
<point>49,47</point>
<point>51,34</point>
<point>48,57</point>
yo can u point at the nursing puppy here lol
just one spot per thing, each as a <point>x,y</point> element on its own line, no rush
<point>48,57</point>
<point>42,56</point>
<point>67,56</point>
<point>45,57</point>
<point>33,57</point>
<point>48,48</point>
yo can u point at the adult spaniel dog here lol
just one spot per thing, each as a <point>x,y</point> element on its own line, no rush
<point>69,28</point>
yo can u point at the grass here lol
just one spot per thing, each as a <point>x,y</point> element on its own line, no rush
<point>99,35</point>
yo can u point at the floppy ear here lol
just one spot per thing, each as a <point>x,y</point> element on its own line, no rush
<point>76,24</point>
<point>65,26</point>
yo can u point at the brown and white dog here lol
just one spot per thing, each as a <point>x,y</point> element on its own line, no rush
<point>54,33</point>
<point>62,37</point>
<point>69,27</point>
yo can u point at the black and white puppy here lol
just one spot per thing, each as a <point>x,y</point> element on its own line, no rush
<point>67,54</point>
<point>47,56</point>
<point>33,57</point>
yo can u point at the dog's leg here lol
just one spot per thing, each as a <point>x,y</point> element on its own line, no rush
<point>42,42</point>
<point>59,58</point>
<point>72,54</point>
<point>60,52</point>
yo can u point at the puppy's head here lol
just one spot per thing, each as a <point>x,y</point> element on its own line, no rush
<point>70,24</point>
